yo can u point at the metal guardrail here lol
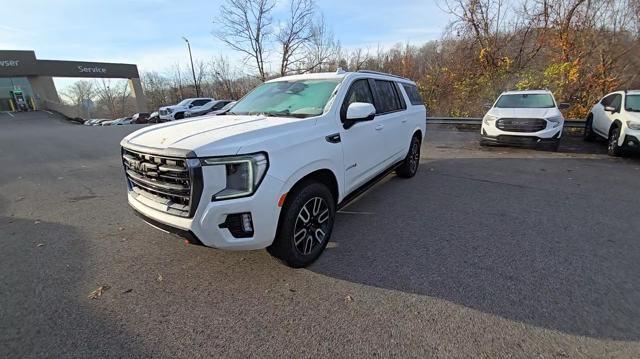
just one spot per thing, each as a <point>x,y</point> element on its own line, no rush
<point>478,121</point>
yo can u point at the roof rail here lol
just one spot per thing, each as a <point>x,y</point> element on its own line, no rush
<point>382,73</point>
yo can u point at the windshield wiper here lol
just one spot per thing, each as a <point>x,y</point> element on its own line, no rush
<point>285,113</point>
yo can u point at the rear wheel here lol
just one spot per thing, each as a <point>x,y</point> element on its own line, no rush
<point>409,166</point>
<point>613,149</point>
<point>306,223</point>
<point>589,135</point>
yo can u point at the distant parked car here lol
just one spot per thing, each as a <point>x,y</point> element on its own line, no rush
<point>176,112</point>
<point>226,108</point>
<point>94,121</point>
<point>140,118</point>
<point>211,107</point>
<point>117,122</point>
<point>154,117</point>
<point>529,117</point>
<point>617,118</point>
<point>99,122</point>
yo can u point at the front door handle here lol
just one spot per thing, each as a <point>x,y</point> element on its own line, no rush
<point>379,127</point>
<point>404,120</point>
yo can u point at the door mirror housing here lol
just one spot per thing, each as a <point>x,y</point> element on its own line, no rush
<point>359,112</point>
<point>563,105</point>
<point>610,109</point>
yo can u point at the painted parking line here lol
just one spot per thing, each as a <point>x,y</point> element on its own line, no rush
<point>9,113</point>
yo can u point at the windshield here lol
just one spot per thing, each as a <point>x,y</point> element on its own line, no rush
<point>632,103</point>
<point>302,98</point>
<point>525,101</point>
<point>183,103</point>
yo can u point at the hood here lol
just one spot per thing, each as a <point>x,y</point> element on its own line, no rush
<point>212,135</point>
<point>633,116</point>
<point>524,112</point>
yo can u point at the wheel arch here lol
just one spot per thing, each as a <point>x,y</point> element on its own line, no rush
<point>324,176</point>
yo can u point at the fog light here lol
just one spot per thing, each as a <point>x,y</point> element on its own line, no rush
<point>247,224</point>
<point>240,225</point>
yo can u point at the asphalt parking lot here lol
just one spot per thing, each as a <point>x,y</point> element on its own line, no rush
<point>493,252</point>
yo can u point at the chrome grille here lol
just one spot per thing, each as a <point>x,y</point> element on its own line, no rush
<point>521,124</point>
<point>163,183</point>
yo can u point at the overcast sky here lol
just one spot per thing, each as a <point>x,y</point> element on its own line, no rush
<point>148,32</point>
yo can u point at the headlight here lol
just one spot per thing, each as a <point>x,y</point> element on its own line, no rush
<point>243,174</point>
<point>488,119</point>
<point>169,110</point>
<point>633,125</point>
<point>555,121</point>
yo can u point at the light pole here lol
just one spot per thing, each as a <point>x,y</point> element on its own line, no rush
<point>193,71</point>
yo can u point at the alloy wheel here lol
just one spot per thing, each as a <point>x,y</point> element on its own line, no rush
<point>312,225</point>
<point>414,156</point>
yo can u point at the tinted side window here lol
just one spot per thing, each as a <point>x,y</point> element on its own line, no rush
<point>616,102</point>
<point>219,105</point>
<point>414,95</point>
<point>358,92</point>
<point>200,102</point>
<point>388,97</point>
<point>606,101</point>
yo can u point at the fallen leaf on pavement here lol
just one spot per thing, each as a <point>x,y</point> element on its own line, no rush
<point>349,298</point>
<point>40,245</point>
<point>127,291</point>
<point>98,292</point>
<point>36,222</point>
<point>159,277</point>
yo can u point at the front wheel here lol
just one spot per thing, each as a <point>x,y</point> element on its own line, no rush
<point>179,116</point>
<point>409,166</point>
<point>305,225</point>
<point>613,149</point>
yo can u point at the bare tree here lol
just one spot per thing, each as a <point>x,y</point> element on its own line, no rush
<point>79,92</point>
<point>113,96</point>
<point>246,27</point>
<point>321,48</point>
<point>295,34</point>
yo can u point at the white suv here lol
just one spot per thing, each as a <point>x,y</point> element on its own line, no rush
<point>272,172</point>
<point>524,118</point>
<point>177,112</point>
<point>617,118</point>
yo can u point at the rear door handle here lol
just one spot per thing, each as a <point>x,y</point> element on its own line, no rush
<point>379,127</point>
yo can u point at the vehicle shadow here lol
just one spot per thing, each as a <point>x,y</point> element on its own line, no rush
<point>44,310</point>
<point>531,241</point>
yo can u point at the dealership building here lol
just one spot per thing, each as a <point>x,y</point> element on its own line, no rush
<point>26,82</point>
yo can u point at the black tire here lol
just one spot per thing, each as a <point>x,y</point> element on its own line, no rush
<point>589,135</point>
<point>613,149</point>
<point>179,116</point>
<point>409,166</point>
<point>296,248</point>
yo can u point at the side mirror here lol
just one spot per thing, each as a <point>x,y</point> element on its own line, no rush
<point>487,106</point>
<point>358,112</point>
<point>610,109</point>
<point>563,105</point>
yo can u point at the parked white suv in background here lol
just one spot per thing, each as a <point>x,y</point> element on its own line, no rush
<point>617,118</point>
<point>524,118</point>
<point>273,172</point>
<point>176,112</point>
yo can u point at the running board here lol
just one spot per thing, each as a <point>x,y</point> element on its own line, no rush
<point>365,187</point>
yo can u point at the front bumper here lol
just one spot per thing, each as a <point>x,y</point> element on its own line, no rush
<point>204,227</point>
<point>632,143</point>
<point>493,135</point>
